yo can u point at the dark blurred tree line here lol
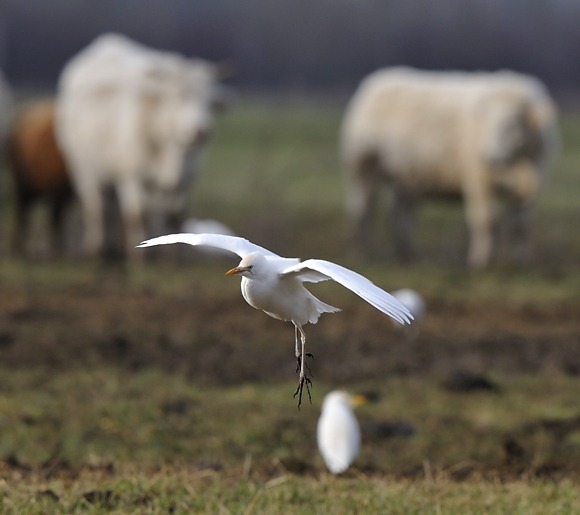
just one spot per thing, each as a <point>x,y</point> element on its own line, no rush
<point>304,45</point>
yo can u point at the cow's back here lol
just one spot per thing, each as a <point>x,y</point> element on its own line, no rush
<point>415,122</point>
<point>99,105</point>
<point>37,162</point>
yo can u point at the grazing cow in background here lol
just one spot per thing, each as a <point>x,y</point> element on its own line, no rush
<point>39,172</point>
<point>482,137</point>
<point>134,120</point>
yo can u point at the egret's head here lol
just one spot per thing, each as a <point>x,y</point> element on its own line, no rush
<point>342,398</point>
<point>249,266</point>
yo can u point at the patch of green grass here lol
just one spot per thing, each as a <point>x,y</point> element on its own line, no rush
<point>272,173</point>
<point>105,440</point>
<point>155,443</point>
<point>152,416</point>
<point>184,490</point>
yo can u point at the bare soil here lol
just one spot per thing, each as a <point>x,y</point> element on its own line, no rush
<point>222,341</point>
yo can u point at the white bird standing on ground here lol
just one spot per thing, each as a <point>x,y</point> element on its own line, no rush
<point>274,284</point>
<point>338,432</point>
<point>412,300</point>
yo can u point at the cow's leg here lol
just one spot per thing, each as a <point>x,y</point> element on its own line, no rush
<point>362,198</point>
<point>479,217</point>
<point>57,232</point>
<point>175,216</point>
<point>91,200</point>
<point>23,204</point>
<point>519,231</point>
<point>402,222</point>
<point>131,199</point>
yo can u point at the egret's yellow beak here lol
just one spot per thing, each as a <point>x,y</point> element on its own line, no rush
<point>358,400</point>
<point>237,270</point>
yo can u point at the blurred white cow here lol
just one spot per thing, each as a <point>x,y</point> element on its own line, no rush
<point>482,137</point>
<point>134,119</point>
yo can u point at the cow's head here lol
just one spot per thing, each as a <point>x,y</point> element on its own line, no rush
<point>181,103</point>
<point>192,98</point>
<point>516,146</point>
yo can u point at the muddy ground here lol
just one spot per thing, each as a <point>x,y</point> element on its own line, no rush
<point>219,340</point>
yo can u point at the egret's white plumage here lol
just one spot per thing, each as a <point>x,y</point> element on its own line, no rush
<point>338,432</point>
<point>274,284</point>
<point>197,225</point>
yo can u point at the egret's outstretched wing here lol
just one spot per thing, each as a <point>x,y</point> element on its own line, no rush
<point>314,270</point>
<point>239,246</point>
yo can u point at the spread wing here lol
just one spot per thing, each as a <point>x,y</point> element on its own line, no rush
<point>239,246</point>
<point>315,270</point>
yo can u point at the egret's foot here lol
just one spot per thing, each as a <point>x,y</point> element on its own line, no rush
<point>301,382</point>
<point>299,362</point>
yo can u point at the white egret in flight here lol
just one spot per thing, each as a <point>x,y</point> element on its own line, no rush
<point>274,284</point>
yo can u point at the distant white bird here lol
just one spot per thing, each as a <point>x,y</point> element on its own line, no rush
<point>199,225</point>
<point>415,303</point>
<point>274,285</point>
<point>338,432</point>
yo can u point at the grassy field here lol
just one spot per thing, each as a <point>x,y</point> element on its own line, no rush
<point>157,390</point>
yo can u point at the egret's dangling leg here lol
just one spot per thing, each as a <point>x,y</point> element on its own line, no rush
<point>303,379</point>
<point>298,352</point>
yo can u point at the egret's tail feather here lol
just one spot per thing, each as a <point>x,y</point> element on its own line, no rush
<point>321,307</point>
